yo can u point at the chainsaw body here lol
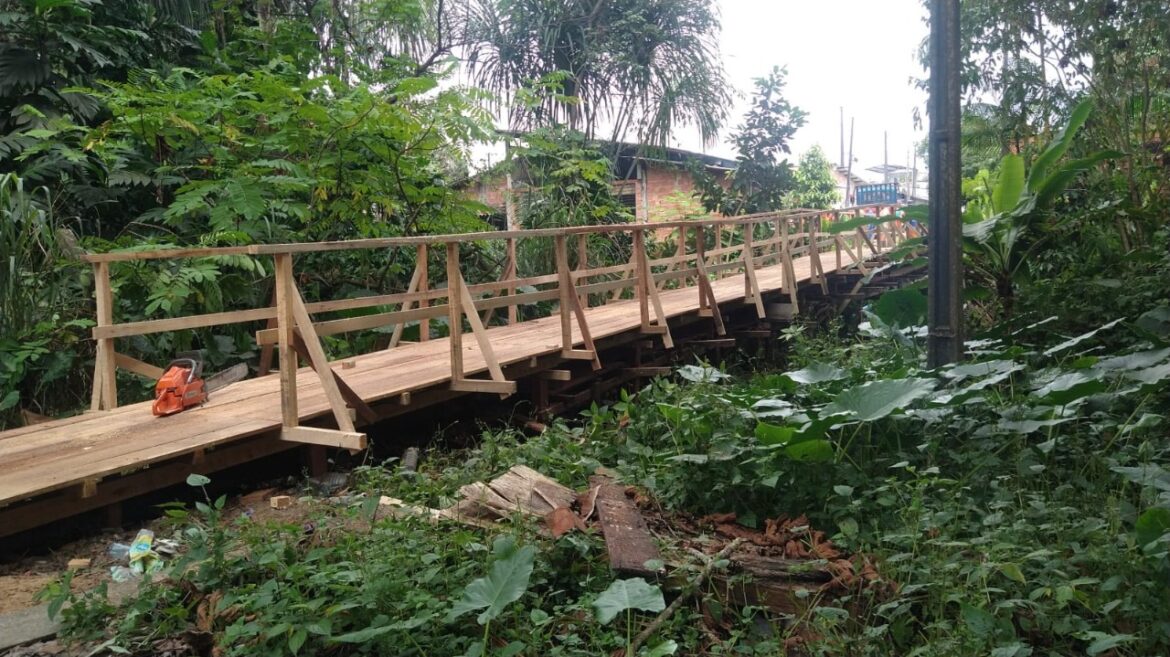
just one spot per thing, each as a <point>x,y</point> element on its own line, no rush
<point>180,387</point>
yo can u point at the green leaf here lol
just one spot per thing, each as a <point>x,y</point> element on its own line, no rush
<point>770,434</point>
<point>10,400</point>
<point>1010,183</point>
<point>625,594</point>
<point>902,308</point>
<point>980,621</point>
<point>505,583</point>
<point>1135,361</point>
<point>197,480</point>
<point>816,373</point>
<point>1102,642</point>
<point>1072,342</point>
<point>1059,146</point>
<point>296,640</point>
<point>812,451</point>
<point>1151,525</point>
<point>668,647</point>
<point>877,399</point>
<point>1012,571</point>
<point>1151,375</point>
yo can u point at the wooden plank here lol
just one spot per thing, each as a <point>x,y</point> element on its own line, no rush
<point>286,324</point>
<point>349,439</point>
<point>454,312</point>
<point>751,283</point>
<point>105,382</point>
<point>150,326</point>
<point>145,370</point>
<point>360,323</point>
<point>421,258</point>
<point>501,388</point>
<point>565,286</point>
<point>647,372</point>
<point>555,375</point>
<point>627,538</point>
<point>481,337</point>
<point>410,288</point>
<point>510,272</point>
<point>352,399</point>
<point>304,324</point>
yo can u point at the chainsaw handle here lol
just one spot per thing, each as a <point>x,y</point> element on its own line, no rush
<point>194,369</point>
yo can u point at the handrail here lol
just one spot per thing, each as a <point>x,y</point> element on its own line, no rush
<point>692,265</point>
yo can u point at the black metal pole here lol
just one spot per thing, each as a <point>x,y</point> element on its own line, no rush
<point>945,316</point>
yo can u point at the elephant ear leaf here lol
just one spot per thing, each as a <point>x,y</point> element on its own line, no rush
<point>1059,145</point>
<point>505,583</point>
<point>1010,184</point>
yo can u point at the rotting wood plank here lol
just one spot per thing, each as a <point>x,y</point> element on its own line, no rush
<point>627,538</point>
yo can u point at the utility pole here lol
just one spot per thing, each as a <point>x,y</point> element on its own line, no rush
<point>944,312</point>
<point>886,156</point>
<point>841,160</point>
<point>849,166</point>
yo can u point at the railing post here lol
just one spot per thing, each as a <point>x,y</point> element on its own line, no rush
<point>749,256</point>
<point>105,380</point>
<point>642,272</point>
<point>285,327</point>
<point>510,274</point>
<point>566,291</point>
<point>455,310</point>
<point>424,324</point>
<point>700,262</point>
<point>582,265</point>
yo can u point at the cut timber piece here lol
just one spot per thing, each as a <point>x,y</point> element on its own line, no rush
<point>712,343</point>
<point>578,354</point>
<point>556,375</point>
<point>502,388</point>
<point>627,539</point>
<point>648,371</point>
<point>520,489</point>
<point>280,501</point>
<point>138,367</point>
<point>326,437</point>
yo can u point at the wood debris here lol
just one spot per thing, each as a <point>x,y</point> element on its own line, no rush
<point>627,538</point>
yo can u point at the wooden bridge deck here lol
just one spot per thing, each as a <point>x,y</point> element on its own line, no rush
<point>65,463</point>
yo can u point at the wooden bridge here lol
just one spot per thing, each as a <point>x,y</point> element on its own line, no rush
<point>500,331</point>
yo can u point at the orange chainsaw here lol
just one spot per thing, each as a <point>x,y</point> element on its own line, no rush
<point>182,384</point>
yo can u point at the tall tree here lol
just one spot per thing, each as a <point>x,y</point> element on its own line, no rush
<point>643,68</point>
<point>815,187</point>
<point>761,179</point>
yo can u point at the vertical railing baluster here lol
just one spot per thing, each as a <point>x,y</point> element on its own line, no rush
<point>455,311</point>
<point>285,327</point>
<point>105,372</point>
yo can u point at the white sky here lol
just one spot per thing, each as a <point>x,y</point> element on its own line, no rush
<point>856,54</point>
<point>859,54</point>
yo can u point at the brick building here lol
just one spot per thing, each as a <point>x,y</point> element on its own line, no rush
<point>656,185</point>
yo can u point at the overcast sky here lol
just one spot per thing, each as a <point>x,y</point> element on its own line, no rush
<point>859,54</point>
<point>856,54</point>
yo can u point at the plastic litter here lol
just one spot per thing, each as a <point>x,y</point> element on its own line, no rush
<point>119,551</point>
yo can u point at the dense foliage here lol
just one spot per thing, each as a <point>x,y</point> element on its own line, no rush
<point>763,177</point>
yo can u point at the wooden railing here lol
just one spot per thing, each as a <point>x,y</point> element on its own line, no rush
<point>703,250</point>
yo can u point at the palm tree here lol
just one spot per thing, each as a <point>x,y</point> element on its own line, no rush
<point>642,67</point>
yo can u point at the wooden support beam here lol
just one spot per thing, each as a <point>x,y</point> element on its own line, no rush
<point>579,354</point>
<point>707,300</point>
<point>145,370</point>
<point>352,399</point>
<point>647,372</point>
<point>571,307</point>
<point>412,287</point>
<point>286,324</point>
<point>751,284</point>
<point>454,311</point>
<point>267,351</point>
<point>351,440</point>
<point>555,375</point>
<point>502,388</point>
<point>319,361</point>
<point>510,271</point>
<point>717,343</point>
<point>648,296</point>
<point>485,343</point>
<point>105,382</point>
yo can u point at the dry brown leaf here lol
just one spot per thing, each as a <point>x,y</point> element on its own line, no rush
<point>562,520</point>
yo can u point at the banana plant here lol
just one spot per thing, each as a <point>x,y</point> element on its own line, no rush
<point>1008,216</point>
